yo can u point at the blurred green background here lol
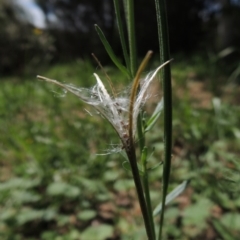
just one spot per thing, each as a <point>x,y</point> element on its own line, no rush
<point>53,183</point>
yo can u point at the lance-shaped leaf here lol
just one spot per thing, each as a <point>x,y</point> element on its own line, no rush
<point>110,52</point>
<point>153,119</point>
<point>172,195</point>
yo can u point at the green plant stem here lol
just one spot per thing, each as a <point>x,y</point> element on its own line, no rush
<point>167,95</point>
<point>131,35</point>
<point>146,188</point>
<point>130,148</point>
<point>131,153</point>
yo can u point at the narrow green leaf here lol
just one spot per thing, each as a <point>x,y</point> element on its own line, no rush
<point>129,11</point>
<point>110,52</point>
<point>121,33</point>
<point>153,119</point>
<point>163,37</point>
<point>172,195</point>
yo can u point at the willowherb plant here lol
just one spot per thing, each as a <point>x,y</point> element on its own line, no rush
<point>124,111</point>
